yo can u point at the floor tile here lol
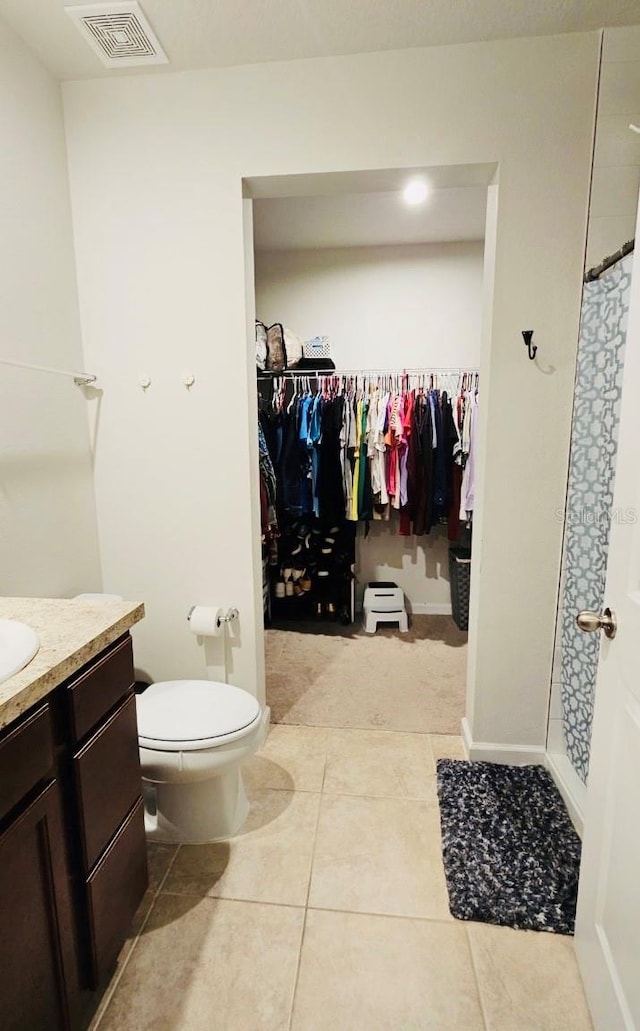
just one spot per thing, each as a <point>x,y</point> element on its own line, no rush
<point>379,855</point>
<point>446,746</point>
<point>268,862</point>
<point>209,964</point>
<point>528,980</point>
<point>138,922</point>
<point>370,762</point>
<point>292,758</point>
<point>372,973</point>
<point>159,857</point>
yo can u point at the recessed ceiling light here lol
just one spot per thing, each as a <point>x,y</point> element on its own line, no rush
<point>415,192</point>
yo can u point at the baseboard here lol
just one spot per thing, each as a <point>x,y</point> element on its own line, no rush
<point>511,755</point>
<point>568,783</point>
<point>466,736</point>
<point>429,608</point>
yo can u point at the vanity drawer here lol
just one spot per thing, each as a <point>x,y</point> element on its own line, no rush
<point>115,890</point>
<point>96,691</point>
<point>108,779</point>
<point>26,757</point>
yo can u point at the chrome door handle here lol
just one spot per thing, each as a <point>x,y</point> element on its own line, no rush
<point>590,621</point>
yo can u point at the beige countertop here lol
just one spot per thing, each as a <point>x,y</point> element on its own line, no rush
<point>71,632</point>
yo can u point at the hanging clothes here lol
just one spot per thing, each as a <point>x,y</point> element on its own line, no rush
<point>467,490</point>
<point>330,494</point>
<point>360,451</point>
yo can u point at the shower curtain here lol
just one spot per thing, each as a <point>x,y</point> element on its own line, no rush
<point>589,510</point>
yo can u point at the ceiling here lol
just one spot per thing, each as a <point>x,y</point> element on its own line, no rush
<point>368,219</point>
<point>220,33</point>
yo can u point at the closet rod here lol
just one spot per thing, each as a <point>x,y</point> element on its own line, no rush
<point>79,377</point>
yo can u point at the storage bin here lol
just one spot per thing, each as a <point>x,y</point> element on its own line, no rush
<point>318,347</point>
<point>460,577</point>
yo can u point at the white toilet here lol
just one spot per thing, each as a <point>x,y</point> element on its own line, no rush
<point>194,736</point>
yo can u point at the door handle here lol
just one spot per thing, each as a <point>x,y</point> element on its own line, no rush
<point>590,621</point>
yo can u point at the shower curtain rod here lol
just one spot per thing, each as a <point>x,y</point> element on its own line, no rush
<point>594,273</point>
<point>79,377</point>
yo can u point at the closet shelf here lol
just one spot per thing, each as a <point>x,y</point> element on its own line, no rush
<point>433,370</point>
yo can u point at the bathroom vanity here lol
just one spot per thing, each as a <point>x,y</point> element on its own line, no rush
<point>73,866</point>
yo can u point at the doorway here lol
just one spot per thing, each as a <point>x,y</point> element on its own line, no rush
<point>380,288</point>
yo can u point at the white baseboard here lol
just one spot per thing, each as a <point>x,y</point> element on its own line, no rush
<point>465,730</point>
<point>568,783</point>
<point>429,608</point>
<point>511,755</point>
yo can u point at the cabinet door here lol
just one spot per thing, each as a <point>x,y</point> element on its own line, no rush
<point>35,917</point>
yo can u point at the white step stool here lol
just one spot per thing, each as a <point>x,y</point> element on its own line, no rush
<point>384,603</point>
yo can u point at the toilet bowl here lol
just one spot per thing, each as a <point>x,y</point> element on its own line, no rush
<point>194,736</point>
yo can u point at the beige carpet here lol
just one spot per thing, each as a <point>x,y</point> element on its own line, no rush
<point>324,675</point>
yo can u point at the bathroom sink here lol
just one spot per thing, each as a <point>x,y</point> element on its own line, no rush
<point>18,644</point>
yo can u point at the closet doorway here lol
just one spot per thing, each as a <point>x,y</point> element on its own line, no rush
<point>368,386</point>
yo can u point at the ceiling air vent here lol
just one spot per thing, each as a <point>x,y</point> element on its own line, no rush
<point>119,33</point>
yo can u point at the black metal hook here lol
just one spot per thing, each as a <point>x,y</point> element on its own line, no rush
<point>531,348</point>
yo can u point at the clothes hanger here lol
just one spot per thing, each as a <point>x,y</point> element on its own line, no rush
<point>294,397</point>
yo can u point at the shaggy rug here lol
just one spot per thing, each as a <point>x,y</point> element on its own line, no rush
<point>511,854</point>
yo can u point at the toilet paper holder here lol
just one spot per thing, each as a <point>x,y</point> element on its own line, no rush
<point>227,617</point>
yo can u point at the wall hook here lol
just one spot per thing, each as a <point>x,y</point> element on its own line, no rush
<point>531,348</point>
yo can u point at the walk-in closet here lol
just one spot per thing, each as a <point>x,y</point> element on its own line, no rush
<point>368,325</point>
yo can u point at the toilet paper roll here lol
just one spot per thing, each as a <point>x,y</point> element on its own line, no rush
<point>204,620</point>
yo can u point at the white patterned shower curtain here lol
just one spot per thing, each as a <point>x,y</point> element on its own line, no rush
<point>589,512</point>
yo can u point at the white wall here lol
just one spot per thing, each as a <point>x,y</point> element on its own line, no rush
<point>420,565</point>
<point>616,171</point>
<point>48,534</point>
<point>416,305</point>
<point>393,307</point>
<point>156,166</point>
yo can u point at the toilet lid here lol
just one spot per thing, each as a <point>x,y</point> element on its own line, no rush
<point>183,711</point>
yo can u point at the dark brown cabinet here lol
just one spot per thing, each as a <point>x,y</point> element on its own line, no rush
<point>36,917</point>
<point>73,865</point>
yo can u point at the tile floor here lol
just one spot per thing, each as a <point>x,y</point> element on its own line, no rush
<point>330,911</point>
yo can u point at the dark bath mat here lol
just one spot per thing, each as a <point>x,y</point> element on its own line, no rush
<point>511,854</point>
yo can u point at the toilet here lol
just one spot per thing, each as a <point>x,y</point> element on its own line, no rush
<point>194,736</point>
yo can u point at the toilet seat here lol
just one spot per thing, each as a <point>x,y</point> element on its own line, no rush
<point>193,715</point>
